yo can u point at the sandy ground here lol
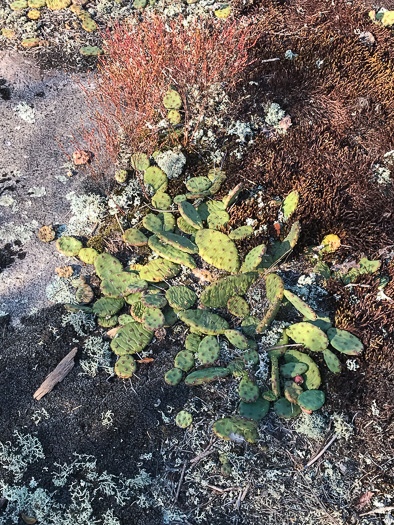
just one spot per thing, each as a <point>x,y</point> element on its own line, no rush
<point>33,176</point>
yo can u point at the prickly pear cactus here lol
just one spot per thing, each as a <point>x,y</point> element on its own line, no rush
<point>332,362</point>
<point>172,100</point>
<point>181,297</point>
<point>139,161</point>
<point>153,319</point>
<point>130,339</point>
<point>236,429</point>
<point>248,390</point>
<point>217,249</point>
<point>204,321</point>
<point>256,410</point>
<point>311,400</point>
<point>170,253</point>
<point>88,255</point>
<point>107,265</point>
<point>283,408</point>
<point>173,377</point>
<point>237,339</point>
<point>218,293</point>
<point>198,184</point>
<point>68,246</point>
<point>345,342</point>
<point>184,419</point>
<point>206,375</point>
<point>46,234</point>
<point>208,351</point>
<point>290,205</point>
<point>134,237</point>
<point>237,306</point>
<point>241,233</point>
<point>190,214</point>
<point>107,307</point>
<point>159,270</point>
<point>310,336</point>
<point>122,284</point>
<point>192,342</point>
<point>156,180</point>
<point>300,305</point>
<point>125,366</point>
<point>311,377</point>
<point>184,360</point>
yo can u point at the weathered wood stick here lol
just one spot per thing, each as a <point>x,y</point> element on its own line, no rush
<point>57,375</point>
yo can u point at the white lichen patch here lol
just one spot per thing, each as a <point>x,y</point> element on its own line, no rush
<point>171,162</point>
<point>96,355</point>
<point>25,112</point>
<point>87,211</point>
<point>37,191</point>
<point>12,232</point>
<point>59,291</point>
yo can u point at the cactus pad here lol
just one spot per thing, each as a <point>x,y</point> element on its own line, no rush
<point>152,223</point>
<point>283,408</point>
<point>137,310</point>
<point>174,117</point>
<point>287,245</point>
<point>218,219</point>
<point>153,319</point>
<point>275,380</point>
<point>251,357</point>
<point>46,234</point>
<point>253,258</point>
<point>130,339</point>
<point>204,321</point>
<point>192,342</point>
<point>185,226</point>
<point>293,369</point>
<point>300,305</point>
<point>173,377</point>
<point>184,360</point>
<point>248,390</point>
<point>172,100</point>
<point>153,299</point>
<point>190,214</point>
<point>170,316</point>
<point>155,179</point>
<point>107,322</point>
<point>107,307</point>
<point>232,196</point>
<point>179,198</point>
<point>168,221</point>
<point>332,361</point>
<point>84,294</point>
<point>310,336</point>
<point>236,429</point>
<point>237,306</point>
<point>311,400</point>
<point>122,284</point>
<point>170,253</point>
<point>249,326</point>
<point>135,237</point>
<point>198,184</point>
<point>257,410</point>
<point>139,161</point>
<point>208,350</point>
<point>217,249</point>
<point>237,339</point>
<point>345,342</point>
<point>68,246</point>
<point>159,270</point>
<point>107,265</point>
<point>323,323</point>
<point>312,379</point>
<point>181,297</point>
<point>206,375</point>
<point>292,391</point>
<point>183,419</point>
<point>206,208</point>
<point>290,205</point>
<point>161,200</point>
<point>218,293</point>
<point>268,395</point>
<point>177,241</point>
<point>88,255</point>
<point>241,233</point>
<point>120,175</point>
<point>125,366</point>
<point>125,319</point>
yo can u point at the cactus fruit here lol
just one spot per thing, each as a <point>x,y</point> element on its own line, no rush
<point>312,379</point>
<point>170,253</point>
<point>185,226</point>
<point>88,255</point>
<point>283,408</point>
<point>345,342</point>
<point>46,234</point>
<point>107,265</point>
<point>173,377</point>
<point>310,336</point>
<point>332,361</point>
<point>300,305</point>
<point>218,293</point>
<point>198,184</point>
<point>248,391</point>
<point>153,319</point>
<point>125,319</point>
<point>232,196</point>
<point>192,342</point>
<point>184,360</point>
<point>122,284</point>
<point>130,339</point>
<point>154,299</point>
<point>178,242</point>
<point>275,380</point>
<point>237,339</point>
<point>203,321</point>
<point>125,366</point>
<point>107,322</point>
<point>251,357</point>
<point>290,205</point>
<point>155,179</point>
<point>217,249</point>
<point>174,117</point>
<point>290,370</point>
<point>311,400</point>
<point>190,214</point>
<point>84,294</point>
<point>218,219</point>
<point>134,237</point>
<point>292,391</point>
<point>208,351</point>
<point>236,429</point>
<point>183,419</point>
<point>237,306</point>
<point>256,411</point>
<point>161,200</point>
<point>107,307</point>
<point>181,297</point>
<point>241,233</point>
<point>68,246</point>
<point>206,208</point>
<point>253,258</point>
<point>172,100</point>
<point>206,375</point>
<point>159,270</point>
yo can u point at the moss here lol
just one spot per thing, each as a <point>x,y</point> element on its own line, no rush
<point>96,242</point>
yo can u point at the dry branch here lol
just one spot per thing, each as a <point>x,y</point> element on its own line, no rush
<point>57,375</point>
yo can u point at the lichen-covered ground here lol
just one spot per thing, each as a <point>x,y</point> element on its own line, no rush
<point>99,450</point>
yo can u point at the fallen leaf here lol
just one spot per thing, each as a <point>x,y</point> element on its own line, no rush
<point>364,500</point>
<point>145,360</point>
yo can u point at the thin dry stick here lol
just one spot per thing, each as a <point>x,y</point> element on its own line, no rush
<point>381,510</point>
<point>57,375</point>
<point>178,490</point>
<point>311,461</point>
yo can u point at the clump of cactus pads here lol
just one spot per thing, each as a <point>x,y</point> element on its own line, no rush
<point>155,179</point>
<point>190,214</point>
<point>69,246</point>
<point>311,377</point>
<point>125,366</point>
<point>170,253</point>
<point>217,249</point>
<point>236,429</point>
<point>184,419</point>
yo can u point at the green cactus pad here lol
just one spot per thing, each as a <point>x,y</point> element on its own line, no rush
<point>37,4</point>
<point>300,305</point>
<point>192,342</point>
<point>237,306</point>
<point>78,308</point>
<point>198,184</point>
<point>179,198</point>
<point>89,51</point>
<point>332,361</point>
<point>184,360</point>
<point>236,429</point>
<point>130,339</point>
<point>170,316</point>
<point>274,287</point>
<point>162,201</point>
<point>293,369</point>
<point>156,179</point>
<point>218,219</point>
<point>203,321</point>
<point>292,391</point>
<point>216,174</point>
<point>195,196</point>
<point>275,379</point>
<point>206,208</point>
<point>283,408</point>
<point>107,265</point>
<point>208,350</point>
<point>312,379</point>
<point>84,294</point>
<point>290,205</point>
<point>107,322</point>
<point>122,284</point>
<point>168,221</point>
<point>153,319</point>
<point>206,375</point>
<point>68,246</point>
<point>190,214</point>
<point>178,242</point>
<point>159,270</point>
<point>133,298</point>
<point>248,391</point>
<point>269,395</point>
<point>181,297</point>
<point>232,196</point>
<point>251,357</point>
<point>88,24</point>
<point>140,4</point>
<point>256,411</point>
<point>154,299</point>
<point>172,100</point>
<point>241,233</point>
<point>237,339</point>
<point>217,294</point>
<point>135,237</point>
<point>345,342</point>
<point>249,326</point>
<point>107,307</point>
<point>170,253</point>
<point>237,367</point>
<point>88,255</point>
<point>311,399</point>
<point>217,249</point>
<point>152,223</point>
<point>120,176</point>
<point>18,5</point>
<point>185,226</point>
<point>125,319</point>
<point>269,316</point>
<point>137,310</point>
<point>323,323</point>
<point>174,117</point>
<point>284,247</point>
<point>125,366</point>
<point>252,344</point>
<point>310,336</point>
<point>173,377</point>
<point>253,258</point>
<point>184,419</point>
<point>139,161</point>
